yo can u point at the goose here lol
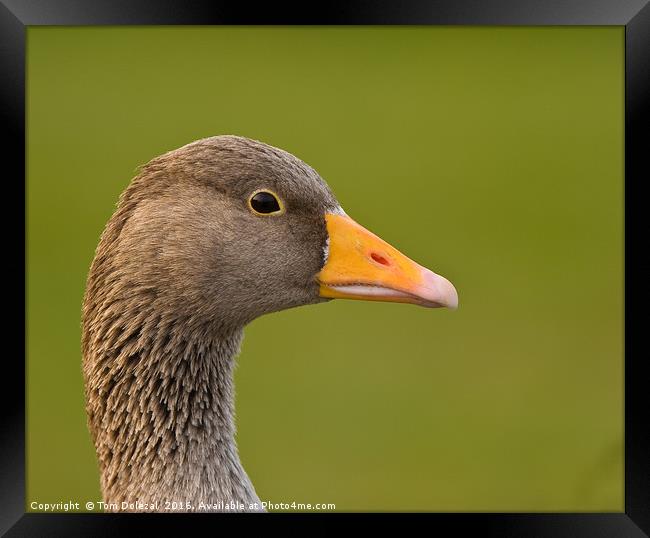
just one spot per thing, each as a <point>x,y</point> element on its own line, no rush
<point>205,239</point>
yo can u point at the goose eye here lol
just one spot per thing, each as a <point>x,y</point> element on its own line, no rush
<point>265,203</point>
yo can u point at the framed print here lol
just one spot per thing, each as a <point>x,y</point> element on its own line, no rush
<point>205,188</point>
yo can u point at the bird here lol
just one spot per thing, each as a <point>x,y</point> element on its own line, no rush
<point>205,239</point>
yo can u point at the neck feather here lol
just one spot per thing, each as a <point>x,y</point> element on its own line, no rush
<point>160,407</point>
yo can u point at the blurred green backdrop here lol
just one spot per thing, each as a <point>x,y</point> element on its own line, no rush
<point>492,155</point>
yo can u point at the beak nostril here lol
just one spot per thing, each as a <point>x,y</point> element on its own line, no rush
<point>379,258</point>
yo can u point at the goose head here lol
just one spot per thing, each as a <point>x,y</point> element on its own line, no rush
<point>205,239</point>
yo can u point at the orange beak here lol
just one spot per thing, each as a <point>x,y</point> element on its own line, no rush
<point>361,265</point>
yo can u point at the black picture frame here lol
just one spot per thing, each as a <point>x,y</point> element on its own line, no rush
<point>634,15</point>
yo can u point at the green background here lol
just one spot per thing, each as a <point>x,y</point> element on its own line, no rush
<point>494,156</point>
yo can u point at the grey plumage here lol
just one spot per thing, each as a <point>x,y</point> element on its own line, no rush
<point>182,266</point>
